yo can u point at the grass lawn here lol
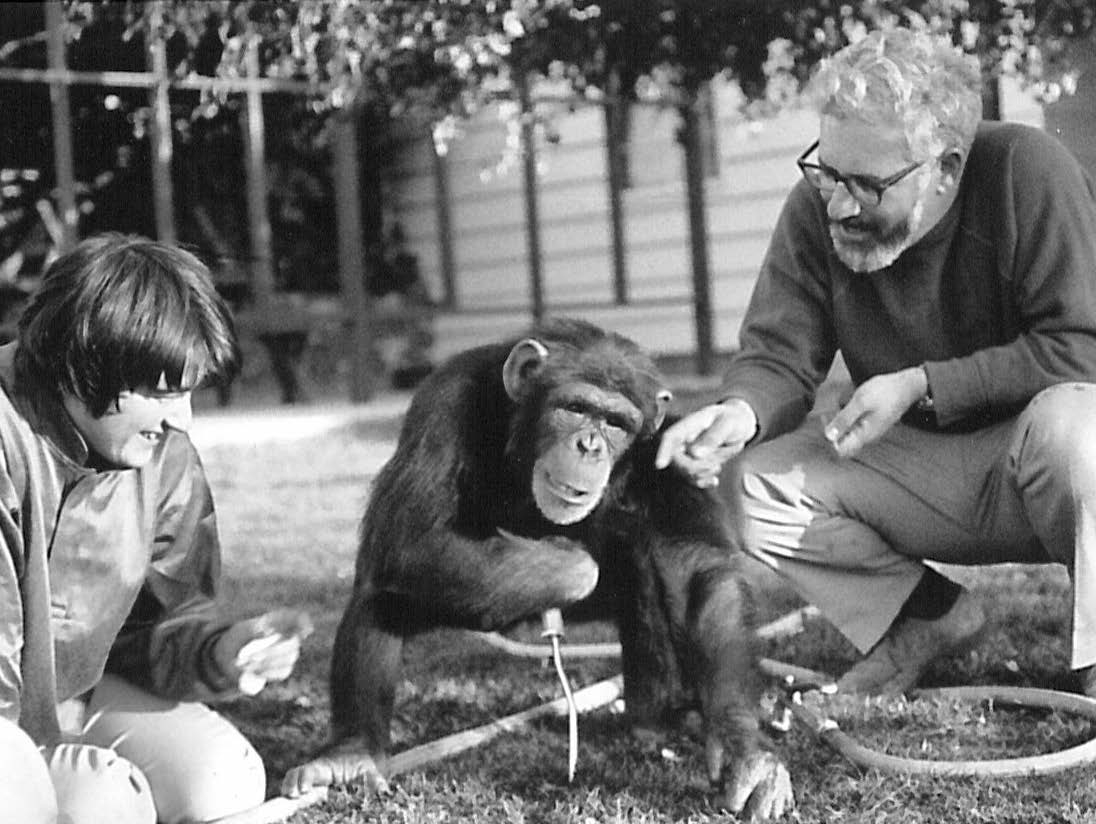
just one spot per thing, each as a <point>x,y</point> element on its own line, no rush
<point>288,513</point>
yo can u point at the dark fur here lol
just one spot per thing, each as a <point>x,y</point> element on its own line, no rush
<point>431,553</point>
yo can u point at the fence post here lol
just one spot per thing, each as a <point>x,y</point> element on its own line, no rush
<point>445,222</point>
<point>532,216</point>
<point>698,233</point>
<point>351,249</point>
<point>62,128</point>
<point>162,189</point>
<point>616,125</point>
<point>262,268</point>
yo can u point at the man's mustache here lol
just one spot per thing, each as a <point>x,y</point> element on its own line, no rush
<point>855,224</point>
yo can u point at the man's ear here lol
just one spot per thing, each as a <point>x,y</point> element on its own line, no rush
<point>524,361</point>
<point>951,164</point>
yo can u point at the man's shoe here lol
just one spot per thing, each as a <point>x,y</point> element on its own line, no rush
<point>1088,681</point>
<point>897,662</point>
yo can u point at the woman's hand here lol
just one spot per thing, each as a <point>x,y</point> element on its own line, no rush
<point>262,649</point>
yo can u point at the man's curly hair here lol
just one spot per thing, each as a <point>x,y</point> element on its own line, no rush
<point>914,80</point>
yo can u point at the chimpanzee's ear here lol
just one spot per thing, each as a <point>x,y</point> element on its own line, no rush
<point>662,405</point>
<point>523,362</point>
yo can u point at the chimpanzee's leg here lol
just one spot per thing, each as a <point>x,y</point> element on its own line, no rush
<point>365,667</point>
<point>650,656</point>
<point>720,633</point>
<point>753,779</point>
<point>691,617</point>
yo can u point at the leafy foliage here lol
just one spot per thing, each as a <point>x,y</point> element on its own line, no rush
<point>424,61</point>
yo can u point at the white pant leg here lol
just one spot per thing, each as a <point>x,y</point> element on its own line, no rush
<point>1052,463</point>
<point>26,791</point>
<point>198,764</point>
<point>850,535</point>
<point>839,564</point>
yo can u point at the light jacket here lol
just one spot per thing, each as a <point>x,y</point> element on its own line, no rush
<point>112,568</point>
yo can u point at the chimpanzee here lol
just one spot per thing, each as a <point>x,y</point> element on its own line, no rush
<point>524,472</point>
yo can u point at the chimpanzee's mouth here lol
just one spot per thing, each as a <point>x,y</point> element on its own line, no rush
<point>567,492</point>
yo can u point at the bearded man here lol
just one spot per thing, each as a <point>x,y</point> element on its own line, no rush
<point>952,262</point>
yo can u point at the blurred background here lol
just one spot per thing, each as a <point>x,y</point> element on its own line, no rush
<point>378,184</point>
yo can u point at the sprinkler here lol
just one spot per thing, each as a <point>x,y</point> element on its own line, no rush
<point>552,620</point>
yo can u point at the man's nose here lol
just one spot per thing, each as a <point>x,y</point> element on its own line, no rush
<point>842,204</point>
<point>178,413</point>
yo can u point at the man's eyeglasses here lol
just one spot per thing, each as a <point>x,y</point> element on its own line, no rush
<point>867,190</point>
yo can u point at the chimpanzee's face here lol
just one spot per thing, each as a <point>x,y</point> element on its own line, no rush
<point>572,424</point>
<point>583,432</point>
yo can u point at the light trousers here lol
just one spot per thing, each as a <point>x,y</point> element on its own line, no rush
<point>140,760</point>
<point>851,534</point>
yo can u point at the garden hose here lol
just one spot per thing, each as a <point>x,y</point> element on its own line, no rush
<point>800,679</point>
<point>831,734</point>
<point>553,630</point>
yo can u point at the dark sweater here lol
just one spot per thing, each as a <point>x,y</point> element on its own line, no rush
<point>998,299</point>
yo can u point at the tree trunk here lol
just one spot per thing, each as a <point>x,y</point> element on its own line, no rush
<point>991,97</point>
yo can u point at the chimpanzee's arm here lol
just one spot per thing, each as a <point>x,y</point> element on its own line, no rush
<point>447,579</point>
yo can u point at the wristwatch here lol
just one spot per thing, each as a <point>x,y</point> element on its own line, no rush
<point>925,403</point>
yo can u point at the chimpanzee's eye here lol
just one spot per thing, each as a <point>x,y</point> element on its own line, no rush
<point>575,407</point>
<point>616,436</point>
<point>571,415</point>
<point>619,422</point>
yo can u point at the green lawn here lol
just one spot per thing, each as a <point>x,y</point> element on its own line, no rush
<point>288,513</point>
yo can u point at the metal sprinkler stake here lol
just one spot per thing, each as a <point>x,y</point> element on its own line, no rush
<point>553,631</point>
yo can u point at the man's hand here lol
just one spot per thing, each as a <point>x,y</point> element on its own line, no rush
<point>699,444</point>
<point>262,649</point>
<point>875,406</point>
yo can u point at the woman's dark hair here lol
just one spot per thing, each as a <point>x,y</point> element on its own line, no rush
<point>119,311</point>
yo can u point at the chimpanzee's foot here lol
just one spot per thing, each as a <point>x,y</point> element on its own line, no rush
<point>897,662</point>
<point>343,765</point>
<point>759,788</point>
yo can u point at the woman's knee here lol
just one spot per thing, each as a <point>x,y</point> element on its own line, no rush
<point>26,791</point>
<point>96,785</point>
<point>215,773</point>
<point>200,767</point>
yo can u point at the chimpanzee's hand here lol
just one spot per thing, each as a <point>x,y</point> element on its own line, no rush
<point>760,786</point>
<point>548,542</point>
<point>348,769</point>
<point>561,569</point>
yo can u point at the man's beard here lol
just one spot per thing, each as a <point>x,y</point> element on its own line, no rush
<point>880,247</point>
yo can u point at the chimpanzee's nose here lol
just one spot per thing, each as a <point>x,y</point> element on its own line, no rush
<point>590,444</point>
